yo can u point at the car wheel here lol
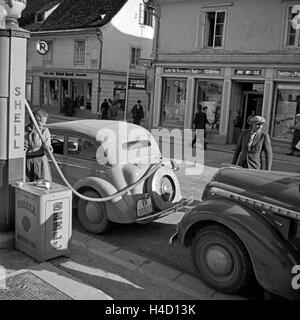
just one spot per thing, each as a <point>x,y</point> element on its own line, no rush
<point>221,259</point>
<point>93,215</point>
<point>164,188</point>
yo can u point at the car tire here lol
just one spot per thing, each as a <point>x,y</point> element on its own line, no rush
<point>221,259</point>
<point>153,184</point>
<point>93,215</point>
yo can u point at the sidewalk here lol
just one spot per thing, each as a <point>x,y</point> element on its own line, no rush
<point>96,270</point>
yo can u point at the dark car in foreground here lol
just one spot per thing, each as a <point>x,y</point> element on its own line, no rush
<point>247,225</point>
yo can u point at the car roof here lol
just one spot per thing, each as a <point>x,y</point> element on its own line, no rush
<point>91,127</point>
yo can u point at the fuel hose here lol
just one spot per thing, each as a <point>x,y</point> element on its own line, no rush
<point>117,194</point>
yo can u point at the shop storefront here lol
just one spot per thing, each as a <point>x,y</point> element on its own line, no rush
<point>54,91</point>
<point>286,104</point>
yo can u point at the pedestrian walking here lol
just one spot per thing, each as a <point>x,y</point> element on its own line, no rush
<point>112,112</point>
<point>251,144</point>
<point>296,137</point>
<point>37,166</point>
<point>200,121</point>
<point>137,112</point>
<point>103,110</point>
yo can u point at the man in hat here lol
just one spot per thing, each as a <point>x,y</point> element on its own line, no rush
<point>137,112</point>
<point>251,144</point>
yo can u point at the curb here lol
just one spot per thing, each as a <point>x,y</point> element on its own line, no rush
<point>172,278</point>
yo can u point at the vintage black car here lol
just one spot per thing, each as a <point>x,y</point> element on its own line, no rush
<point>247,225</point>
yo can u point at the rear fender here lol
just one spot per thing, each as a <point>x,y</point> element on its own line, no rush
<point>272,256</point>
<point>117,209</point>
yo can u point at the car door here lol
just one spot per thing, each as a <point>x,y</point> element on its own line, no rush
<point>80,158</point>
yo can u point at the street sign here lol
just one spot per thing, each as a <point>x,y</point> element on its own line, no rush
<point>42,47</point>
<point>137,84</point>
<point>146,63</point>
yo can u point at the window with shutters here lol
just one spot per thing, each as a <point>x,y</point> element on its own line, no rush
<point>145,16</point>
<point>135,56</point>
<point>79,51</point>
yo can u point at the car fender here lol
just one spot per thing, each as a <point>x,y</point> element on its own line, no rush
<point>272,257</point>
<point>117,208</point>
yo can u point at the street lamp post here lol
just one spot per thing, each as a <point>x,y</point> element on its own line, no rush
<point>100,39</point>
<point>153,7</point>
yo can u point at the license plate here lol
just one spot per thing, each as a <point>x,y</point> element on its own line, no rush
<point>144,207</point>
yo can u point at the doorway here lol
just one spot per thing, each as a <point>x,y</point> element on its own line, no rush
<point>246,101</point>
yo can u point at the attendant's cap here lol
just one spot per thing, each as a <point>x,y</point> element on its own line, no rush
<point>257,119</point>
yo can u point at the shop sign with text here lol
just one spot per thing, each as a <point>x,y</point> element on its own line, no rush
<point>137,84</point>
<point>205,71</point>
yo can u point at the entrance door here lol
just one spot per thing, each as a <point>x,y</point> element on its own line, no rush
<point>252,107</point>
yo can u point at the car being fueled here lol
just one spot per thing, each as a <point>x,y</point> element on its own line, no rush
<point>247,225</point>
<point>101,158</point>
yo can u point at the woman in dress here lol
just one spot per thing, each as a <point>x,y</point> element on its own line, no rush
<point>37,166</point>
<point>296,136</point>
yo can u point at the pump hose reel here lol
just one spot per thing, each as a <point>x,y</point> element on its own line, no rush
<point>120,193</point>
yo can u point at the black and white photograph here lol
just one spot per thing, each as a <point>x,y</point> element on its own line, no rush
<point>150,154</point>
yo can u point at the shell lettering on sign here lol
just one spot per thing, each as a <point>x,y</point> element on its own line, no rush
<point>42,47</point>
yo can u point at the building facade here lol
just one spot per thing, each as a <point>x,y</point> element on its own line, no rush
<point>236,58</point>
<point>89,60</point>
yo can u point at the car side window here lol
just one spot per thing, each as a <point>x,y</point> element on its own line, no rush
<point>81,148</point>
<point>57,142</point>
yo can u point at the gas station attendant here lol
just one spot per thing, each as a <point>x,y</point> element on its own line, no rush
<point>37,166</point>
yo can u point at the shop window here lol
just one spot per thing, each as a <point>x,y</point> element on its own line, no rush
<point>135,56</point>
<point>287,105</point>
<point>79,51</point>
<point>82,94</point>
<point>174,102</point>
<point>48,57</point>
<point>209,95</point>
<point>292,26</point>
<point>50,92</point>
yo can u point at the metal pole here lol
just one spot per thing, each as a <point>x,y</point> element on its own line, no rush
<point>127,92</point>
<point>99,34</point>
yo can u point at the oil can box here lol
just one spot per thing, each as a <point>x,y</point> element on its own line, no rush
<point>43,221</point>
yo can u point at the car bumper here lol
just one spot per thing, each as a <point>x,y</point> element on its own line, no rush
<point>182,205</point>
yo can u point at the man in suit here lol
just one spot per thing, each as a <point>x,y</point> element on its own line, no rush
<point>251,144</point>
<point>200,121</point>
<point>137,112</point>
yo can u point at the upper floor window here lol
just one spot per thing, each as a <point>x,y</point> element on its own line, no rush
<point>293,26</point>
<point>146,15</point>
<point>40,17</point>
<point>79,51</point>
<point>214,29</point>
<point>135,55</point>
<point>48,57</point>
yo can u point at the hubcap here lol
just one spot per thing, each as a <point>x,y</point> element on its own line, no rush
<point>167,189</point>
<point>219,260</point>
<point>93,212</point>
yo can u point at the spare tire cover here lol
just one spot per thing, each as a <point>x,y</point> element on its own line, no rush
<point>153,188</point>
